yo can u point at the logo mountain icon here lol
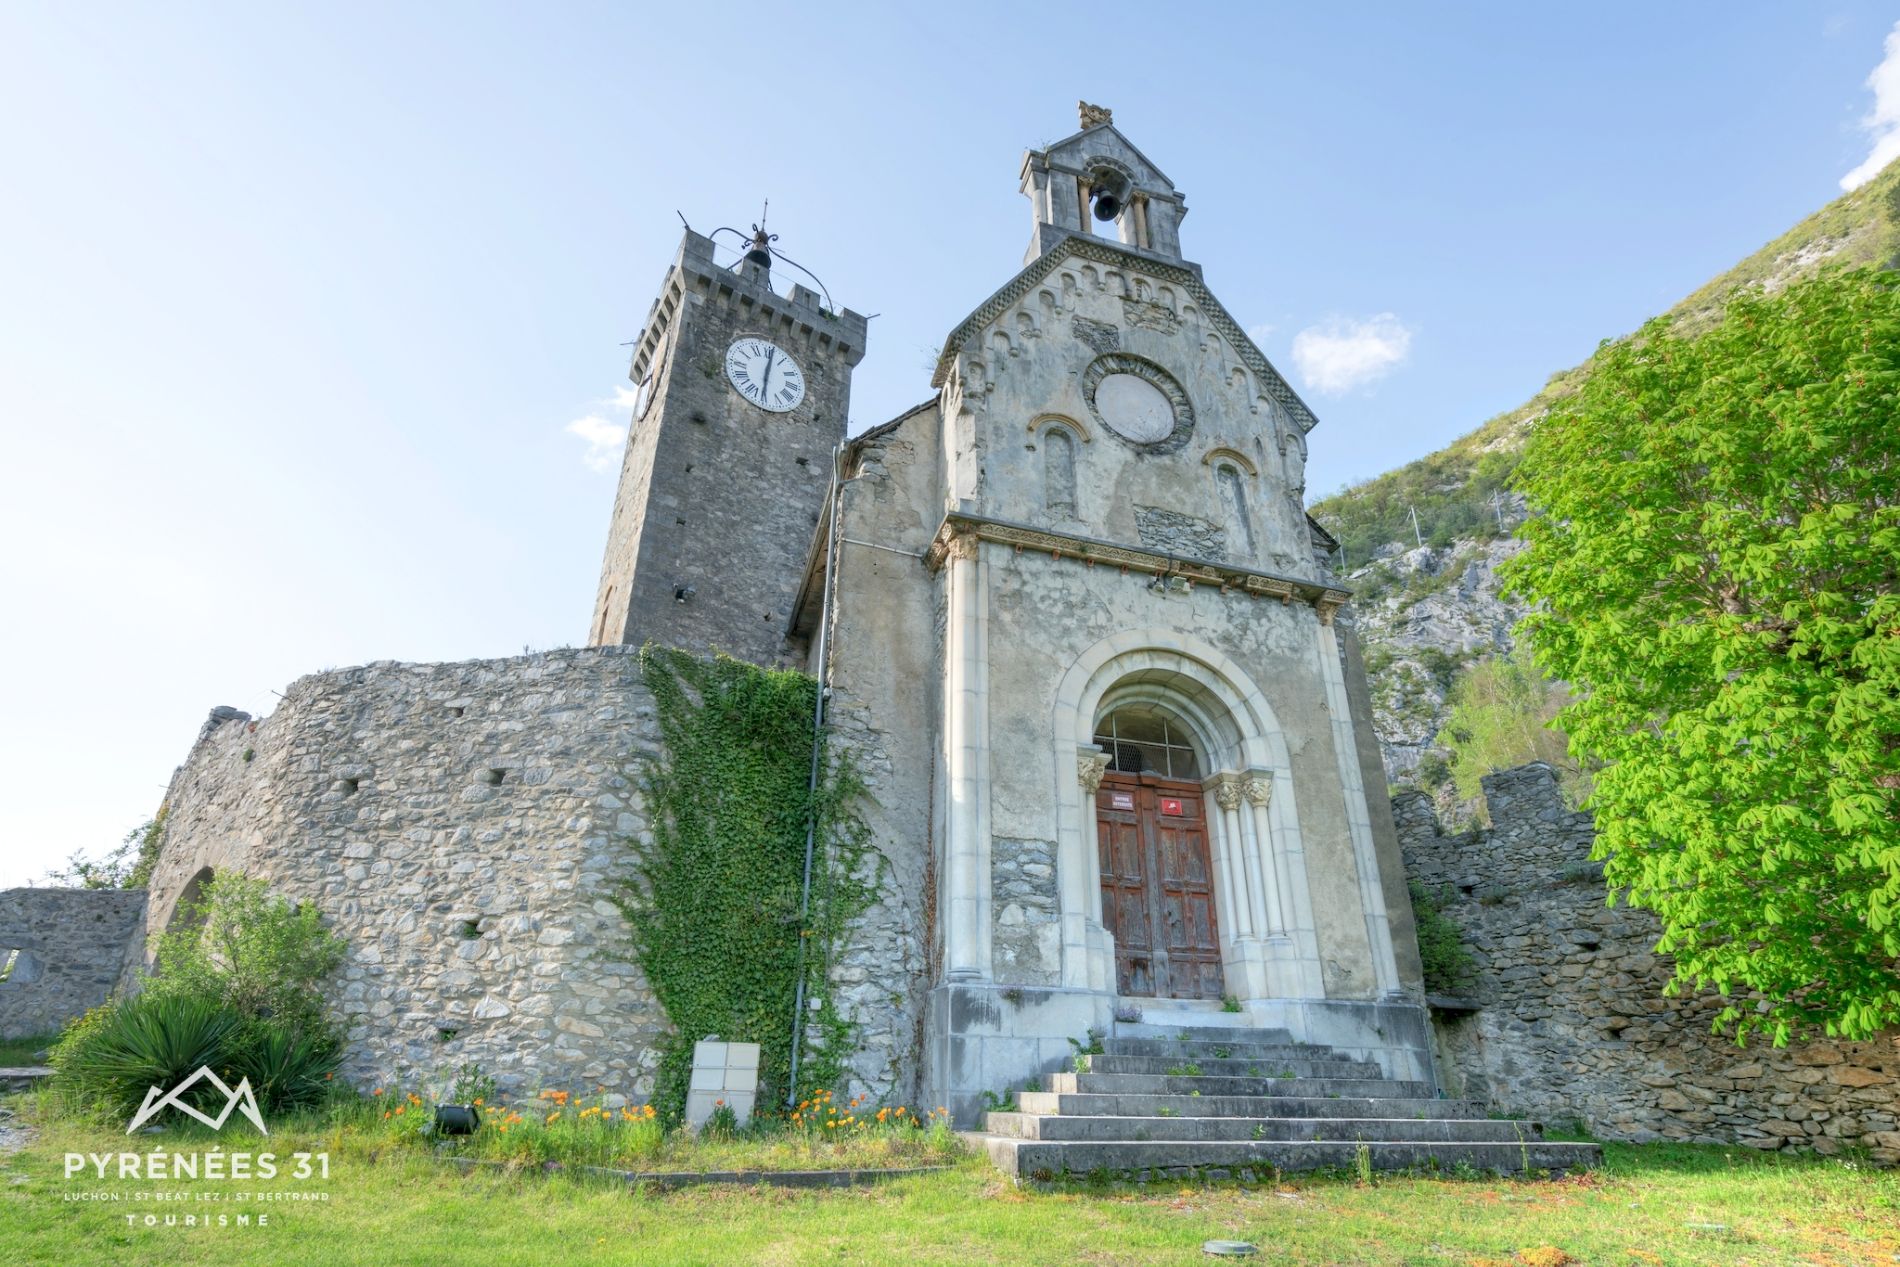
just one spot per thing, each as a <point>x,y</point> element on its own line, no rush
<point>239,1098</point>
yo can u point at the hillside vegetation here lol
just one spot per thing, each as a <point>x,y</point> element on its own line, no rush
<point>1427,613</point>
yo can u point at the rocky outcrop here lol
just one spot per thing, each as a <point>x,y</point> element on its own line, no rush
<point>1423,615</point>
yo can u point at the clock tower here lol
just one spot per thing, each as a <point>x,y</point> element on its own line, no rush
<point>742,395</point>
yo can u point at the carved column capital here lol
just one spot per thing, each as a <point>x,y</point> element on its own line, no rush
<point>1257,788</point>
<point>1226,790</point>
<point>1089,769</point>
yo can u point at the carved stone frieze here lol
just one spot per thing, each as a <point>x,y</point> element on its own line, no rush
<point>1150,315</point>
<point>1099,336</point>
<point>961,532</point>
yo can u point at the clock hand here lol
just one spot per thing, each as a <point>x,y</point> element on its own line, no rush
<point>765,381</point>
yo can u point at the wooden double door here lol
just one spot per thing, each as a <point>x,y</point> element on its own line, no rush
<point>1157,886</point>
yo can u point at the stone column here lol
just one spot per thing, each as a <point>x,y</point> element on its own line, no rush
<point>1385,970</point>
<point>1086,960</point>
<point>1230,859</point>
<point>1269,911</point>
<point>966,871</point>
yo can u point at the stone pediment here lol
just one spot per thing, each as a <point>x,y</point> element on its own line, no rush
<point>1104,144</point>
<point>1108,253</point>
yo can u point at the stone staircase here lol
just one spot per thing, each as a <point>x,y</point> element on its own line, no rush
<point>1220,1103</point>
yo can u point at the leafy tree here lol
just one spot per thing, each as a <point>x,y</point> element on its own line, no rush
<point>1500,711</point>
<point>1714,573</point>
<point>128,865</point>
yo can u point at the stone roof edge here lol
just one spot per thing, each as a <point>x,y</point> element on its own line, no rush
<point>1107,127</point>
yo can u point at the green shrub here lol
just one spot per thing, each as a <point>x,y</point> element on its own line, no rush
<point>1447,961</point>
<point>127,866</point>
<point>289,1066</point>
<point>236,990</point>
<point>1500,715</point>
<point>109,1057</point>
<point>255,951</point>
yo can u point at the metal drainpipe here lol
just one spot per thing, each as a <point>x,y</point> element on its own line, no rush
<point>832,497</point>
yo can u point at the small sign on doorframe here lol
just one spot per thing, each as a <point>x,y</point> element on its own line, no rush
<point>1172,805</point>
<point>1121,800</point>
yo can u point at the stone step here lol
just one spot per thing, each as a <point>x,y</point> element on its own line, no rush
<point>1143,1160</point>
<point>1184,1085</point>
<point>1079,1104</point>
<point>1169,1049</point>
<point>1233,1067</point>
<point>1211,1026</point>
<point>23,1077</point>
<point>1352,1129</point>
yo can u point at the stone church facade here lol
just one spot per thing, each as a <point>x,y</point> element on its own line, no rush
<point>1081,640</point>
<point>1076,629</point>
<point>1077,595</point>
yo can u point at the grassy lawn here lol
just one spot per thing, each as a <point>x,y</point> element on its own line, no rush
<point>388,1205</point>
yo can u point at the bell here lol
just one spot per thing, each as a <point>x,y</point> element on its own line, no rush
<point>1108,193</point>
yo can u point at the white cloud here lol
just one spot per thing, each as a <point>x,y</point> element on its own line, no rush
<point>1260,333</point>
<point>1342,353</point>
<point>625,398</point>
<point>604,440</point>
<point>1882,123</point>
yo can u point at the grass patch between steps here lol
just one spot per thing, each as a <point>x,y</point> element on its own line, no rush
<point>1653,1204</point>
<point>25,1052</point>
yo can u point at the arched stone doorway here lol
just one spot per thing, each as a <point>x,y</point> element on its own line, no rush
<point>1213,774</point>
<point>1151,832</point>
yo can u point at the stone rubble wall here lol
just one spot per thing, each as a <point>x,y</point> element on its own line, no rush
<point>1574,1023</point>
<point>63,950</point>
<point>460,825</point>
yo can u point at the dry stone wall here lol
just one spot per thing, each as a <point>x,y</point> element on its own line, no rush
<point>460,825</point>
<point>1574,1022</point>
<point>62,951</point>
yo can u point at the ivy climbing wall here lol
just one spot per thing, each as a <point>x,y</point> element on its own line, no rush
<point>463,826</point>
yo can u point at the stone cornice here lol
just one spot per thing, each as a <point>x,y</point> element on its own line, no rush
<point>961,530</point>
<point>1109,253</point>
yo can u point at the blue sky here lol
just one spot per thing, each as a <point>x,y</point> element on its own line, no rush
<point>307,314</point>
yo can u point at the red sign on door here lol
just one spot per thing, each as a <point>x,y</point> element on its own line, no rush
<point>1171,805</point>
<point>1121,800</point>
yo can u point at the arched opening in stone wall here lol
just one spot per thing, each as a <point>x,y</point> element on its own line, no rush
<point>189,910</point>
<point>20,967</point>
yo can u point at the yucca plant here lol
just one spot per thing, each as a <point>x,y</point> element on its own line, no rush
<point>108,1059</point>
<point>289,1067</point>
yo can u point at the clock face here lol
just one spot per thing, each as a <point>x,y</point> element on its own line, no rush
<point>765,374</point>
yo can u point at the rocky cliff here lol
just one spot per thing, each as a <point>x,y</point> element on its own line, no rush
<point>1420,545</point>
